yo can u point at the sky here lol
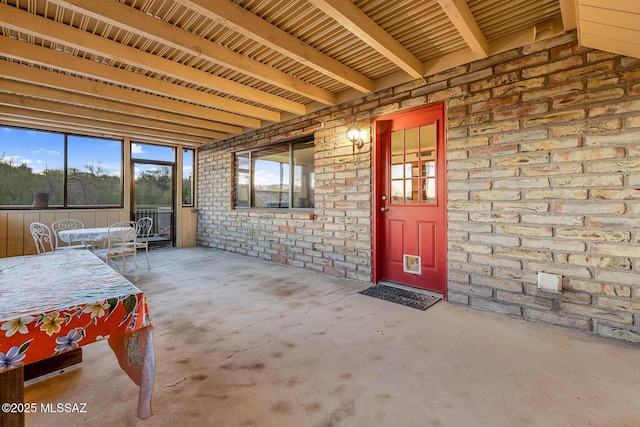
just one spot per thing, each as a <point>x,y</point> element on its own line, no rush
<point>42,150</point>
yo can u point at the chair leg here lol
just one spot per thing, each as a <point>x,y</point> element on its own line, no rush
<point>147,253</point>
<point>135,267</point>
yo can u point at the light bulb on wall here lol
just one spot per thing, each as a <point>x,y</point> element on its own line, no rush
<point>356,136</point>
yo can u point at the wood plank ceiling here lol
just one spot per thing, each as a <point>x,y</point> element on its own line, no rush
<point>197,71</point>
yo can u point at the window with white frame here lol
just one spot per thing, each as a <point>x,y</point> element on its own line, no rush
<point>278,176</point>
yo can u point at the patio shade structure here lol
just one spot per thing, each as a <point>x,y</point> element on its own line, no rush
<point>195,72</point>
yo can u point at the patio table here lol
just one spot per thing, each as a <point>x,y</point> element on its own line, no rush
<point>87,234</point>
<point>54,303</point>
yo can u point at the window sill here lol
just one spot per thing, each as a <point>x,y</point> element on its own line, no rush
<point>277,213</point>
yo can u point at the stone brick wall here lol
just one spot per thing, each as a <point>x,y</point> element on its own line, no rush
<point>334,238</point>
<point>543,153</point>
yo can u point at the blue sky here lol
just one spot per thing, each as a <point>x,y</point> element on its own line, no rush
<point>37,149</point>
<point>42,150</point>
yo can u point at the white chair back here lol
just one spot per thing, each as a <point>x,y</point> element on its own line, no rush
<point>65,224</point>
<point>122,236</point>
<point>122,243</point>
<point>144,225</point>
<point>42,237</point>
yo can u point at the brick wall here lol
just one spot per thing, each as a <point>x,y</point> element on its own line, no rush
<point>543,153</point>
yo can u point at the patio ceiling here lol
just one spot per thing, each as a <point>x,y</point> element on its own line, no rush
<point>196,71</point>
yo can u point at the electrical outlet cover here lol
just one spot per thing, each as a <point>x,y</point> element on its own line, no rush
<point>550,282</point>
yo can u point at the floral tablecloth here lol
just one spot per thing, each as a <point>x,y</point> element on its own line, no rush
<point>60,301</point>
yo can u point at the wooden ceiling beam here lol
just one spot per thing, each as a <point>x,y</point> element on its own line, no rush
<point>246,23</point>
<point>47,106</point>
<point>131,19</point>
<point>43,56</point>
<point>357,22</point>
<point>57,95</point>
<point>75,38</point>
<point>462,18</point>
<point>540,31</point>
<point>65,123</point>
<point>568,10</point>
<point>40,77</point>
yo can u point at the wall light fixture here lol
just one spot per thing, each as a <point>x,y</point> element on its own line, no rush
<point>357,136</point>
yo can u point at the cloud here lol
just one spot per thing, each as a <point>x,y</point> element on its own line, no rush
<point>136,148</point>
<point>16,160</point>
<point>45,151</point>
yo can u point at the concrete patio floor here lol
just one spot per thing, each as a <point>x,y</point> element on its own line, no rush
<point>243,342</point>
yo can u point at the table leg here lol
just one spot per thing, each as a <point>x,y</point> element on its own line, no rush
<point>12,384</point>
<point>12,392</point>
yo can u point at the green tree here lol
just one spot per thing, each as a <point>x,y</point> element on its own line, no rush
<point>19,182</point>
<point>154,187</point>
<point>187,189</point>
<point>93,187</point>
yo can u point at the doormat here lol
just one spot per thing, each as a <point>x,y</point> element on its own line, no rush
<point>401,296</point>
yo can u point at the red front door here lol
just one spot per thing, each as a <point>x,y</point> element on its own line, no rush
<point>410,205</point>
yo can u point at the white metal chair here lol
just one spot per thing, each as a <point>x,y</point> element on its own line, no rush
<point>121,244</point>
<point>67,224</point>
<point>42,237</point>
<point>144,225</point>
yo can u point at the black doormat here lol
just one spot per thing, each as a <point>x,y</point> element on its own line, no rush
<point>401,296</point>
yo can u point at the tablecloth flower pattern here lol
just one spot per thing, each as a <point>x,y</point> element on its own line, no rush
<point>57,302</point>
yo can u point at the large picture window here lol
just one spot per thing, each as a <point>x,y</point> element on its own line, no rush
<point>44,169</point>
<point>94,168</point>
<point>278,176</point>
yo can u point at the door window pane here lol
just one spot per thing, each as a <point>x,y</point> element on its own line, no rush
<point>428,156</point>
<point>152,152</point>
<point>429,190</point>
<point>428,137</point>
<point>429,169</point>
<point>397,167</point>
<point>153,185</point>
<point>397,142</point>
<point>411,141</point>
<point>397,191</point>
<point>153,197</point>
<point>412,191</point>
<point>413,175</point>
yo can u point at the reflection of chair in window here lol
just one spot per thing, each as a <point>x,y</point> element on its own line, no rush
<point>122,243</point>
<point>42,237</point>
<point>67,224</point>
<point>144,231</point>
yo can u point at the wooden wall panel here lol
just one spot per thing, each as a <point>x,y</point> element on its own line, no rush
<point>15,236</point>
<point>3,234</point>
<point>186,228</point>
<point>610,26</point>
